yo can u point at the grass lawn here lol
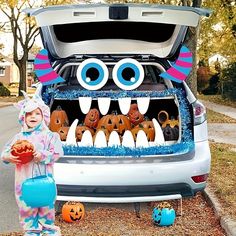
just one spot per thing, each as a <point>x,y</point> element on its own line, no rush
<point>217,99</point>
<point>222,179</point>
<point>215,117</point>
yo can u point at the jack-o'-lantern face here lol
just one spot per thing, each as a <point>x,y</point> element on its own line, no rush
<point>134,115</point>
<point>73,212</point>
<point>92,118</point>
<point>163,214</point>
<point>147,127</point>
<point>114,122</point>
<point>63,131</point>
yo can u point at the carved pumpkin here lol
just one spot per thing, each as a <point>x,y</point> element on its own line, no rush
<point>92,118</point>
<point>134,115</point>
<point>147,127</point>
<point>119,123</point>
<point>80,129</point>
<point>171,133</point>
<point>63,131</point>
<point>163,214</point>
<point>58,119</point>
<point>73,212</point>
<point>24,150</point>
<point>163,118</point>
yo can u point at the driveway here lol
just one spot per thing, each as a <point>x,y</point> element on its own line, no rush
<point>222,132</point>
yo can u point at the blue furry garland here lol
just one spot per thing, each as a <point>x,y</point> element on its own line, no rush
<point>186,143</point>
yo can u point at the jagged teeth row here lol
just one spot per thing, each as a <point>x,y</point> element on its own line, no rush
<point>104,104</point>
<point>114,139</point>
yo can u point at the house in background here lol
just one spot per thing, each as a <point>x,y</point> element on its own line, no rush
<point>9,73</point>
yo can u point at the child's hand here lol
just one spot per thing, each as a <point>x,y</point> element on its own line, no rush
<point>12,159</point>
<point>37,156</point>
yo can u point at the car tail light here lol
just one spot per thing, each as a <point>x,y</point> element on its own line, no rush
<point>199,113</point>
<point>199,178</point>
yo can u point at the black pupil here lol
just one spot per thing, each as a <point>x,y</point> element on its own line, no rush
<point>92,73</point>
<point>128,73</point>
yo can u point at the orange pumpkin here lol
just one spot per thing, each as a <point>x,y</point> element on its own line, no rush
<point>58,119</point>
<point>118,123</point>
<point>172,123</point>
<point>80,129</point>
<point>73,212</point>
<point>63,131</point>
<point>24,150</point>
<point>134,115</point>
<point>92,118</point>
<point>147,127</point>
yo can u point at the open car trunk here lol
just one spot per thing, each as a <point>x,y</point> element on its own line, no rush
<point>122,130</point>
<point>115,29</point>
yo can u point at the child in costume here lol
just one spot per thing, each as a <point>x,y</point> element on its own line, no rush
<point>34,118</point>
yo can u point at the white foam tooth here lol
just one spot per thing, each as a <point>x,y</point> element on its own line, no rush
<point>159,137</point>
<point>87,139</point>
<point>85,104</point>
<point>71,137</point>
<point>114,139</point>
<point>128,140</point>
<point>141,140</point>
<point>143,104</point>
<point>100,139</point>
<point>104,105</point>
<point>124,104</point>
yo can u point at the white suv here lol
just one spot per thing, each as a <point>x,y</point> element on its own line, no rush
<point>111,56</point>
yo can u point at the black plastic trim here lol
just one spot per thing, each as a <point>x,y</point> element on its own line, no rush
<point>126,191</point>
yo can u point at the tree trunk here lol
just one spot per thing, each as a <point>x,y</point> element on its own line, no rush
<point>23,76</point>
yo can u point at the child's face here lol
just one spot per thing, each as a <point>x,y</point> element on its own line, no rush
<point>33,118</point>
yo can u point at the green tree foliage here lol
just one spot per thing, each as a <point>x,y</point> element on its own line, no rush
<point>218,33</point>
<point>228,82</point>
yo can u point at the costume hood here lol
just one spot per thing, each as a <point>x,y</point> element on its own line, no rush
<point>30,104</point>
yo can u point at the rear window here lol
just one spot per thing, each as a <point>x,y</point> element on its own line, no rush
<point>144,31</point>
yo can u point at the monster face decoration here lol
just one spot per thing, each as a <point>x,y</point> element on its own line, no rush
<point>116,102</point>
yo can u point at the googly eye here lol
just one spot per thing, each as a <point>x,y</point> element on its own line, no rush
<point>92,74</point>
<point>128,74</point>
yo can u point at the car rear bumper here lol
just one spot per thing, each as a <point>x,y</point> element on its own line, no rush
<point>117,182</point>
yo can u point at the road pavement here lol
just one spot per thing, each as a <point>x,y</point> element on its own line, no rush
<point>9,210</point>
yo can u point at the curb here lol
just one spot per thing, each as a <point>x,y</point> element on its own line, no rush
<point>226,222</point>
<point>3,104</point>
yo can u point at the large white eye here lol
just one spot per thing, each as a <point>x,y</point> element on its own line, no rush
<point>92,74</point>
<point>128,74</point>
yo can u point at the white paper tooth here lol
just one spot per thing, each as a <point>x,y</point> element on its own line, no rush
<point>128,140</point>
<point>104,105</point>
<point>85,104</point>
<point>71,137</point>
<point>87,139</point>
<point>159,137</point>
<point>143,104</point>
<point>124,104</point>
<point>141,140</point>
<point>100,140</point>
<point>114,139</point>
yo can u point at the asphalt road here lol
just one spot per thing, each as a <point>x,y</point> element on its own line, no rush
<point>9,210</point>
